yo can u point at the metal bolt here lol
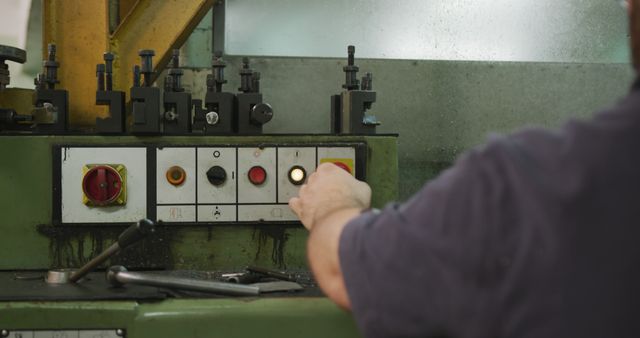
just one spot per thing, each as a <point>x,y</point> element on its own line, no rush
<point>119,332</point>
<point>146,56</point>
<point>212,118</point>
<point>175,58</point>
<point>108,60</point>
<point>351,50</point>
<point>170,115</point>
<point>4,333</point>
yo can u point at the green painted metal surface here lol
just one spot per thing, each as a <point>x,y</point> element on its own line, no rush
<point>224,318</point>
<point>26,202</point>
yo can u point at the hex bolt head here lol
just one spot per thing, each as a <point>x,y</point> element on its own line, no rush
<point>108,56</point>
<point>212,118</point>
<point>146,52</point>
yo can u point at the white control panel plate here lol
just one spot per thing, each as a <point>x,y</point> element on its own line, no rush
<point>199,198</point>
<point>225,158</point>
<point>72,160</point>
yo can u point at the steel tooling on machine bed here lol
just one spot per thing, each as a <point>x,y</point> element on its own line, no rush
<point>146,99</point>
<point>349,108</point>
<point>252,112</point>
<point>46,93</point>
<point>118,276</point>
<point>177,102</point>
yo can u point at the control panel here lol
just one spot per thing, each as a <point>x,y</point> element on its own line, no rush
<point>199,184</point>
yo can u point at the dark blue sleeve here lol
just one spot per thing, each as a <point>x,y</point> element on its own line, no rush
<point>427,267</point>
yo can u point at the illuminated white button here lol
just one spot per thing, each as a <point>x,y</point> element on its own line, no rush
<point>297,175</point>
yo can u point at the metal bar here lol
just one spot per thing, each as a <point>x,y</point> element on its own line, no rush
<point>140,278</point>
<point>272,273</point>
<point>94,263</point>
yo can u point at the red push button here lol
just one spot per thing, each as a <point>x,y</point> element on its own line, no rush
<point>343,166</point>
<point>257,175</point>
<point>101,185</point>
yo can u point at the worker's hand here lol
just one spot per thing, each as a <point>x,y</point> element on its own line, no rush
<point>328,190</point>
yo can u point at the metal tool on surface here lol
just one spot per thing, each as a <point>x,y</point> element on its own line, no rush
<point>242,277</point>
<point>177,102</point>
<point>272,273</point>
<point>349,108</point>
<point>118,276</point>
<point>105,95</point>
<point>130,236</point>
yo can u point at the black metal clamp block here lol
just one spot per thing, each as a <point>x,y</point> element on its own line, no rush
<point>59,101</point>
<point>105,95</point>
<point>252,113</point>
<point>218,117</point>
<point>145,110</point>
<point>145,99</point>
<point>348,113</point>
<point>177,102</point>
<point>115,123</point>
<point>177,113</point>
<point>349,109</point>
<point>219,113</point>
<point>54,103</point>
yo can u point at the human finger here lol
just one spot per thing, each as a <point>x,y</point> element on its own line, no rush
<point>296,205</point>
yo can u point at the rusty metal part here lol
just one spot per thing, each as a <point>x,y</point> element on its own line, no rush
<point>147,24</point>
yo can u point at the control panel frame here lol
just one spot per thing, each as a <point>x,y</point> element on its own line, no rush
<point>360,148</point>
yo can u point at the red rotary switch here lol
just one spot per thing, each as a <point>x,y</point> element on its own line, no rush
<point>343,166</point>
<point>102,185</point>
<point>257,175</point>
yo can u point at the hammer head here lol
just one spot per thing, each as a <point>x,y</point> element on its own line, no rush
<point>112,273</point>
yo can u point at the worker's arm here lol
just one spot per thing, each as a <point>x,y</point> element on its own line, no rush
<point>416,268</point>
<point>329,200</point>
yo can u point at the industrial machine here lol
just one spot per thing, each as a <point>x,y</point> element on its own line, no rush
<point>169,217</point>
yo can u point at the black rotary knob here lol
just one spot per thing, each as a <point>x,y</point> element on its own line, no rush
<point>217,175</point>
<point>261,113</point>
